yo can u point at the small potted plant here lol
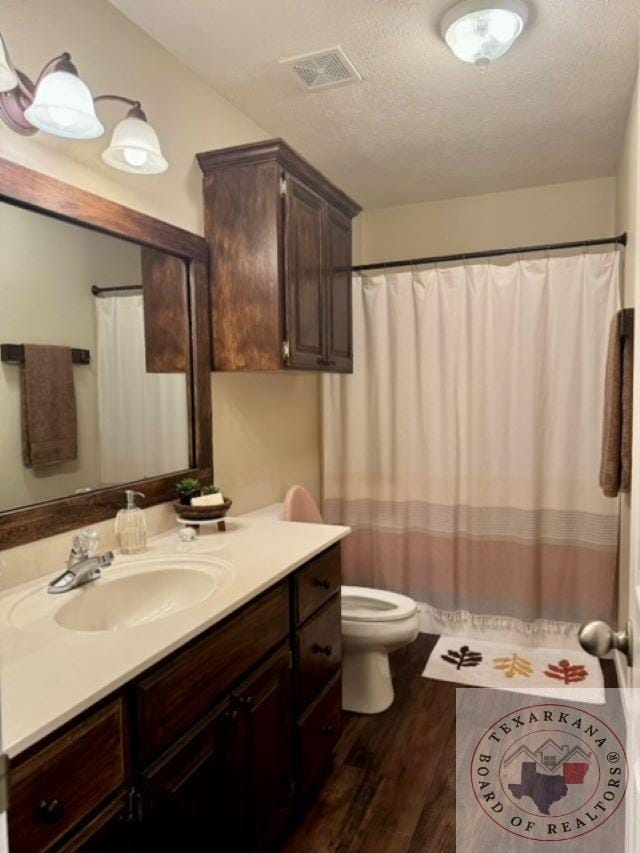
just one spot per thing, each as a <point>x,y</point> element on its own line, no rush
<point>210,490</point>
<point>187,489</point>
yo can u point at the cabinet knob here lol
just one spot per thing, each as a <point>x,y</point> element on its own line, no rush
<point>231,715</point>
<point>327,729</point>
<point>321,650</point>
<point>325,583</point>
<point>50,810</point>
<point>246,701</point>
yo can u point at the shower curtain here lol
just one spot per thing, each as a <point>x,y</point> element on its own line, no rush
<point>143,417</point>
<point>464,450</point>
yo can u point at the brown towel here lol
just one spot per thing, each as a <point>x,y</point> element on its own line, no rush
<point>49,428</point>
<point>615,464</point>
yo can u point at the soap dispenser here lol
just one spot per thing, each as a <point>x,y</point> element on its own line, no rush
<point>131,528</point>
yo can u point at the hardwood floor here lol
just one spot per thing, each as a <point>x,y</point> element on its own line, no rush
<point>392,788</point>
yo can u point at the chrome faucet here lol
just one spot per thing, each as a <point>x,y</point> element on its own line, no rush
<point>82,566</point>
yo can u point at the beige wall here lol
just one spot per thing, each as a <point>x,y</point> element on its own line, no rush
<point>627,201</point>
<point>278,442</point>
<point>560,212</point>
<point>47,268</point>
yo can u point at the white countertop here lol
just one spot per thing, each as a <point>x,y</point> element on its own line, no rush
<point>49,674</point>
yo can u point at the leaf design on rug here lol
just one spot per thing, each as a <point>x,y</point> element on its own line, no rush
<point>515,665</point>
<point>465,657</point>
<point>567,672</point>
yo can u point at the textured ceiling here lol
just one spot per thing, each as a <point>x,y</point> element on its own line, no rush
<point>421,125</point>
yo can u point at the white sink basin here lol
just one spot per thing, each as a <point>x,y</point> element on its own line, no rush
<point>130,594</point>
<point>134,600</point>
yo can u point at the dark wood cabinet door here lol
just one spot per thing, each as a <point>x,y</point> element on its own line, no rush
<point>318,732</point>
<point>191,797</point>
<point>304,276</point>
<point>226,785</point>
<point>266,731</point>
<point>338,313</point>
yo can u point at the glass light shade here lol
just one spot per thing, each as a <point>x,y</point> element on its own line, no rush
<point>481,32</point>
<point>135,148</point>
<point>8,77</point>
<point>63,106</point>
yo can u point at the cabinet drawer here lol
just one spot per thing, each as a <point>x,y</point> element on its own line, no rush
<point>180,692</point>
<point>316,582</point>
<point>59,786</point>
<point>319,652</point>
<point>318,733</point>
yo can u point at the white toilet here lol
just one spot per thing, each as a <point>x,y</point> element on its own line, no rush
<point>374,623</point>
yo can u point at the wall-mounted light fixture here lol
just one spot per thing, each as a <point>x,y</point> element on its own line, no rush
<point>60,103</point>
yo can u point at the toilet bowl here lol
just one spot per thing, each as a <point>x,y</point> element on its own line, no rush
<point>374,623</point>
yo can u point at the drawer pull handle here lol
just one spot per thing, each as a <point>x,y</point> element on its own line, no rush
<point>325,583</point>
<point>51,810</point>
<point>327,729</point>
<point>321,650</point>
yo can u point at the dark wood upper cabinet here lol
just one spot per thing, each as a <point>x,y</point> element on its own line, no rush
<point>280,239</point>
<point>338,322</point>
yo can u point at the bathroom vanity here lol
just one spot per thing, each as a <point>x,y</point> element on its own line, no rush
<point>221,738</point>
<point>190,697</point>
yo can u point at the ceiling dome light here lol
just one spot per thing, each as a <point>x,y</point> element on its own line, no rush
<point>480,31</point>
<point>63,104</point>
<point>8,76</point>
<point>135,147</point>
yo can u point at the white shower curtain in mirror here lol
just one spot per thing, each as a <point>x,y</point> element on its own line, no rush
<point>464,450</point>
<point>142,416</point>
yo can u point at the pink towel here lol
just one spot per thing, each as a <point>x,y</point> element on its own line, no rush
<point>299,505</point>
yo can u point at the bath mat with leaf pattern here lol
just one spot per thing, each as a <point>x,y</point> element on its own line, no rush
<point>552,673</point>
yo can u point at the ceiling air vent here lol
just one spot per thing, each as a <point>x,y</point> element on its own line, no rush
<point>323,68</point>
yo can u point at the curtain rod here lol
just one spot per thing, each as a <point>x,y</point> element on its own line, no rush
<point>492,253</point>
<point>98,291</point>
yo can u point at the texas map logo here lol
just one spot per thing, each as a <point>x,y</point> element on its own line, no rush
<point>549,772</point>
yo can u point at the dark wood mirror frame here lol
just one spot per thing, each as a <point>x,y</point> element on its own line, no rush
<point>35,191</point>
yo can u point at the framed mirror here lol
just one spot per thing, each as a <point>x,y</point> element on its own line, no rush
<point>104,357</point>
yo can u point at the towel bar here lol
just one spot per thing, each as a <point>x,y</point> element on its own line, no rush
<point>14,354</point>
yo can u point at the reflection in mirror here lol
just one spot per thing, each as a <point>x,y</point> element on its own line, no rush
<point>92,395</point>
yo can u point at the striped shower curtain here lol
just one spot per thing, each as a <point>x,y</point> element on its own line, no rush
<point>464,450</point>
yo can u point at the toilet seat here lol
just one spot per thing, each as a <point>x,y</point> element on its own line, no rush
<point>363,604</point>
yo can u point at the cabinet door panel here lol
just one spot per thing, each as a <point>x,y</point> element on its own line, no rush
<point>265,700</point>
<point>318,733</point>
<point>188,798</point>
<point>305,275</point>
<point>338,298</point>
